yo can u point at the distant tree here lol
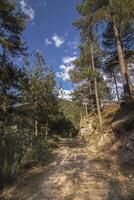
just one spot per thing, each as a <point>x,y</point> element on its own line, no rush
<point>39,95</point>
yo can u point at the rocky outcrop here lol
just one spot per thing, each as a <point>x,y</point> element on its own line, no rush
<point>119,140</point>
<point>87,127</point>
<point>90,134</point>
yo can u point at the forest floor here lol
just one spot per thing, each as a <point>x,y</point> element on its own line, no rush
<point>72,175</point>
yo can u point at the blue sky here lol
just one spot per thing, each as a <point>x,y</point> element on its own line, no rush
<point>50,30</point>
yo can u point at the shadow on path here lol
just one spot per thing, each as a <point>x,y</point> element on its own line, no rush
<point>71,176</point>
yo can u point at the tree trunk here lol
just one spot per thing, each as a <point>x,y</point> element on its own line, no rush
<point>128,72</point>
<point>89,84</point>
<point>36,120</point>
<point>109,96</point>
<point>123,68</point>
<point>46,132</point>
<point>95,88</point>
<point>124,74</point>
<point>86,110</point>
<point>116,86</point>
<point>36,127</point>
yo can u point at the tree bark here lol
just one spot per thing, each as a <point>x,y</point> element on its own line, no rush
<point>36,120</point>
<point>89,84</point>
<point>116,86</point>
<point>46,132</point>
<point>96,89</point>
<point>123,68</point>
<point>86,110</point>
<point>36,127</point>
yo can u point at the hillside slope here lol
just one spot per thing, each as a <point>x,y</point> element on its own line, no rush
<point>115,146</point>
<point>101,168</point>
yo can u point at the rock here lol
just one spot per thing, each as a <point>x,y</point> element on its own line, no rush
<point>130,146</point>
<point>131,137</point>
<point>83,131</point>
<point>112,196</point>
<point>127,158</point>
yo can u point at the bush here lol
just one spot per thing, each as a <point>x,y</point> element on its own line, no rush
<point>15,156</point>
<point>10,155</point>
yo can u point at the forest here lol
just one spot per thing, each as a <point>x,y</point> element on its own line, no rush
<point>34,119</point>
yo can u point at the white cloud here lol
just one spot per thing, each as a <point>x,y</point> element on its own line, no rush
<point>27,9</point>
<point>58,41</point>
<point>69,59</point>
<point>66,94</point>
<point>64,74</point>
<point>48,42</point>
<point>65,68</point>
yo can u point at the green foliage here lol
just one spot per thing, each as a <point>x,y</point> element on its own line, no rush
<point>118,18</point>
<point>29,109</point>
<point>11,153</point>
<point>40,151</point>
<point>12,23</point>
<point>83,76</point>
<point>30,118</point>
<point>39,94</point>
<point>72,111</point>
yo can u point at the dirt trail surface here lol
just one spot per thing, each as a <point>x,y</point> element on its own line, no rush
<point>73,175</point>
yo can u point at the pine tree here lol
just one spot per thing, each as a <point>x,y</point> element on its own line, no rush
<point>87,79</point>
<point>87,38</point>
<point>119,14</point>
<point>109,44</point>
<point>39,95</point>
<point>112,72</point>
<point>12,23</point>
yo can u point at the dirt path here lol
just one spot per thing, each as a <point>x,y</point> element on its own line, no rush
<point>73,175</point>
